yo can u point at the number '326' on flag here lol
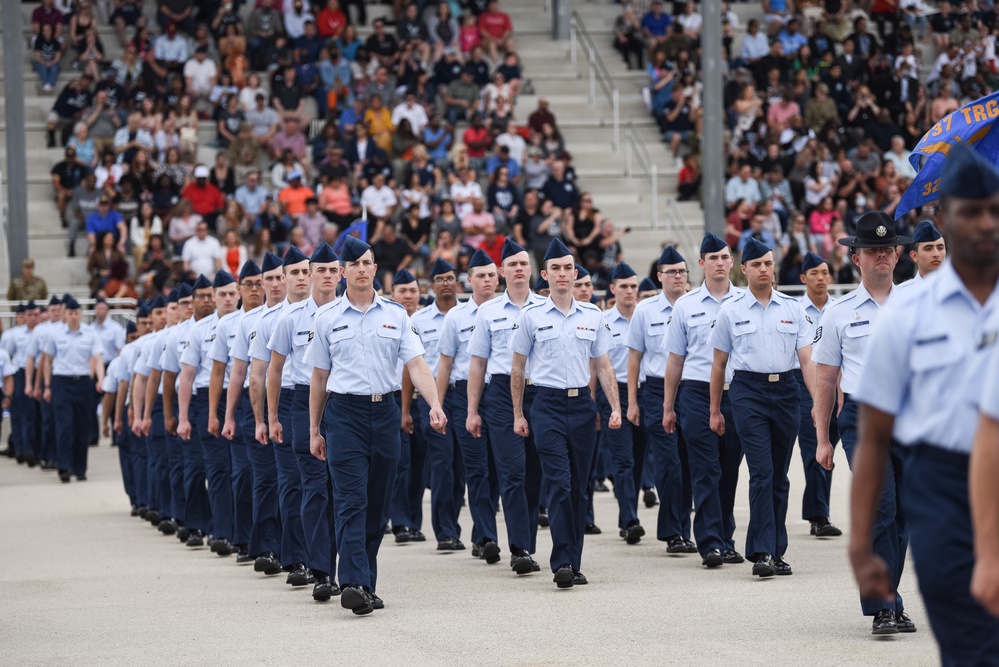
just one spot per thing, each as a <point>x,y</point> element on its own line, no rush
<point>976,124</point>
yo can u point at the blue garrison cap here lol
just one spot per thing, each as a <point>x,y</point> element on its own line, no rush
<point>712,243</point>
<point>647,285</point>
<point>811,261</point>
<point>100,299</point>
<point>20,308</point>
<point>142,311</point>
<point>324,254</point>
<point>402,277</point>
<point>556,249</point>
<point>441,266</point>
<point>31,305</point>
<point>671,256</point>
<point>581,273</point>
<point>130,328</point>
<point>70,303</point>
<point>294,256</point>
<point>754,250</point>
<point>271,262</point>
<point>479,258</point>
<point>54,301</point>
<point>249,269</point>
<point>158,302</point>
<point>926,232</point>
<point>173,296</point>
<point>184,291</point>
<point>510,247</point>
<point>541,284</point>
<point>201,282</point>
<point>223,278</point>
<point>622,271</point>
<point>967,174</point>
<point>377,284</point>
<point>353,248</point>
<point>65,298</point>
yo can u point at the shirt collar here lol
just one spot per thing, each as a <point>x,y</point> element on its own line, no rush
<point>549,305</point>
<point>946,283</point>
<point>614,314</point>
<point>705,293</point>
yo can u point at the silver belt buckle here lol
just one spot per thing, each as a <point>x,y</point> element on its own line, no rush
<point>376,398</point>
<point>573,393</point>
<point>773,377</point>
<point>529,382</point>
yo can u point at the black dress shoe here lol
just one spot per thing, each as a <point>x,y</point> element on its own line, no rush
<point>534,566</point>
<point>79,478</point>
<point>822,528</point>
<point>30,460</point>
<point>19,458</point>
<point>676,545</point>
<point>592,529</point>
<point>8,453</point>
<point>223,547</point>
<point>402,534</point>
<point>243,556</point>
<point>904,623</point>
<point>297,575</point>
<point>690,546</point>
<point>633,533</point>
<point>564,577</point>
<point>377,602</point>
<point>579,579</point>
<point>543,518</point>
<point>782,567</point>
<point>712,559</point>
<point>450,544</point>
<point>357,600</point>
<point>476,550</point>
<point>64,477</point>
<point>600,487</point>
<point>267,563</point>
<point>521,563</point>
<point>649,498</point>
<point>183,532</point>
<point>417,536</point>
<point>732,557</point>
<point>765,566</point>
<point>196,539</point>
<point>167,526</point>
<point>884,623</point>
<point>324,589</point>
<point>152,516</point>
<point>48,465</point>
<point>491,552</point>
<point>142,511</point>
<point>135,511</point>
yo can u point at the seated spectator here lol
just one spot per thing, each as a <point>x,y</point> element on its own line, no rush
<point>105,219</point>
<point>757,231</point>
<point>294,197</point>
<point>502,160</point>
<point>378,120</point>
<point>447,221</point>
<point>476,223</point>
<point>233,253</point>
<point>142,227</point>
<point>285,165</point>
<point>689,179</point>
<point>86,152</point>
<point>691,22</point>
<point>313,224</point>
<point>655,23</point>
<point>331,20</point>
<point>779,115</point>
<point>791,38</point>
<point>797,236</point>
<point>91,54</point>
<point>276,224</point>
<point>109,174</point>
<point>403,144</point>
<point>558,189</point>
<point>291,138</point>
<point>461,98</point>
<point>47,51</point>
<point>132,138</point>
<point>200,76</point>
<point>628,38</point>
<point>678,122</point>
<point>205,198</point>
<point>382,45</point>
<point>409,109</point>
<point>391,254</point>
<point>737,221</point>
<point>537,169</point>
<point>263,28</point>
<point>496,31</point>
<point>233,219</point>
<point>742,187</point>
<point>437,138</point>
<point>183,224</point>
<point>380,202</point>
<point>106,253</point>
<point>445,248</point>
<point>288,95</point>
<point>513,140</point>
<point>502,201</point>
<point>464,191</point>
<point>252,196</point>
<point>264,121</point>
<point>66,176</point>
<point>47,14</point>
<point>416,232</point>
<point>469,36</point>
<point>335,202</point>
<point>202,253</point>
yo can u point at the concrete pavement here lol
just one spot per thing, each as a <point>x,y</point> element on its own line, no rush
<point>85,584</point>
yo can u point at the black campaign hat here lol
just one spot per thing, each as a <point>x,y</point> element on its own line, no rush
<point>875,229</point>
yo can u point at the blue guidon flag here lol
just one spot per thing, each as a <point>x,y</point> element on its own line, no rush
<point>975,124</point>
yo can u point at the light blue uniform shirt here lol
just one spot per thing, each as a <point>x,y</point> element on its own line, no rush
<point>15,341</point>
<point>264,329</point>
<point>174,344</point>
<point>246,331</point>
<point>456,332</point>
<point>38,338</point>
<point>815,315</point>
<point>494,331</point>
<point>71,350</point>
<point>428,323</point>
<point>292,334</point>
<point>559,347</point>
<point>225,336</point>
<point>362,350</point>
<point>7,367</point>
<point>112,337</point>
<point>110,383</point>
<point>761,339</point>
<point>647,334</point>
<point>617,324</point>
<point>128,357</point>
<point>149,361</point>
<point>199,340</point>
<point>842,337</point>
<point>689,332</point>
<point>925,361</point>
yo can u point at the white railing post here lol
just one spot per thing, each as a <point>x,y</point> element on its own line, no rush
<point>593,76</point>
<point>627,152</point>
<point>654,175</point>
<point>617,119</point>
<point>572,40</point>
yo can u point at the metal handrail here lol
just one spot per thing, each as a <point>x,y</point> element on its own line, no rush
<point>597,72</point>
<point>635,150</point>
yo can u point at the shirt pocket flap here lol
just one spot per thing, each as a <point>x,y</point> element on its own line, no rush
<point>340,334</point>
<point>586,334</point>
<point>464,335</point>
<point>787,328</point>
<point>655,329</point>
<point>858,330</point>
<point>934,351</point>
<point>389,331</point>
<point>743,328</point>
<point>546,334</point>
<point>301,338</point>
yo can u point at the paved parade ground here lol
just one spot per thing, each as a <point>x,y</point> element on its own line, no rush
<point>85,584</point>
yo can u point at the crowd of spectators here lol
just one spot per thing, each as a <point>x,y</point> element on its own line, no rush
<point>416,128</point>
<point>821,111</point>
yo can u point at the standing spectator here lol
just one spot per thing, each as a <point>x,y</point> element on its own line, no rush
<point>206,199</point>
<point>27,286</point>
<point>202,254</point>
<point>496,30</point>
<point>68,108</point>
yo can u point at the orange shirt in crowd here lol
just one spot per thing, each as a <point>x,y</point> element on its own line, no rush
<point>293,199</point>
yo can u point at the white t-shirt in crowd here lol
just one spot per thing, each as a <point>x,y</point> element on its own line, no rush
<point>201,255</point>
<point>377,200</point>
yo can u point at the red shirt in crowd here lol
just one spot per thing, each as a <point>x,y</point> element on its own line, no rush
<point>206,200</point>
<point>494,249</point>
<point>331,22</point>
<point>495,24</point>
<point>480,137</point>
